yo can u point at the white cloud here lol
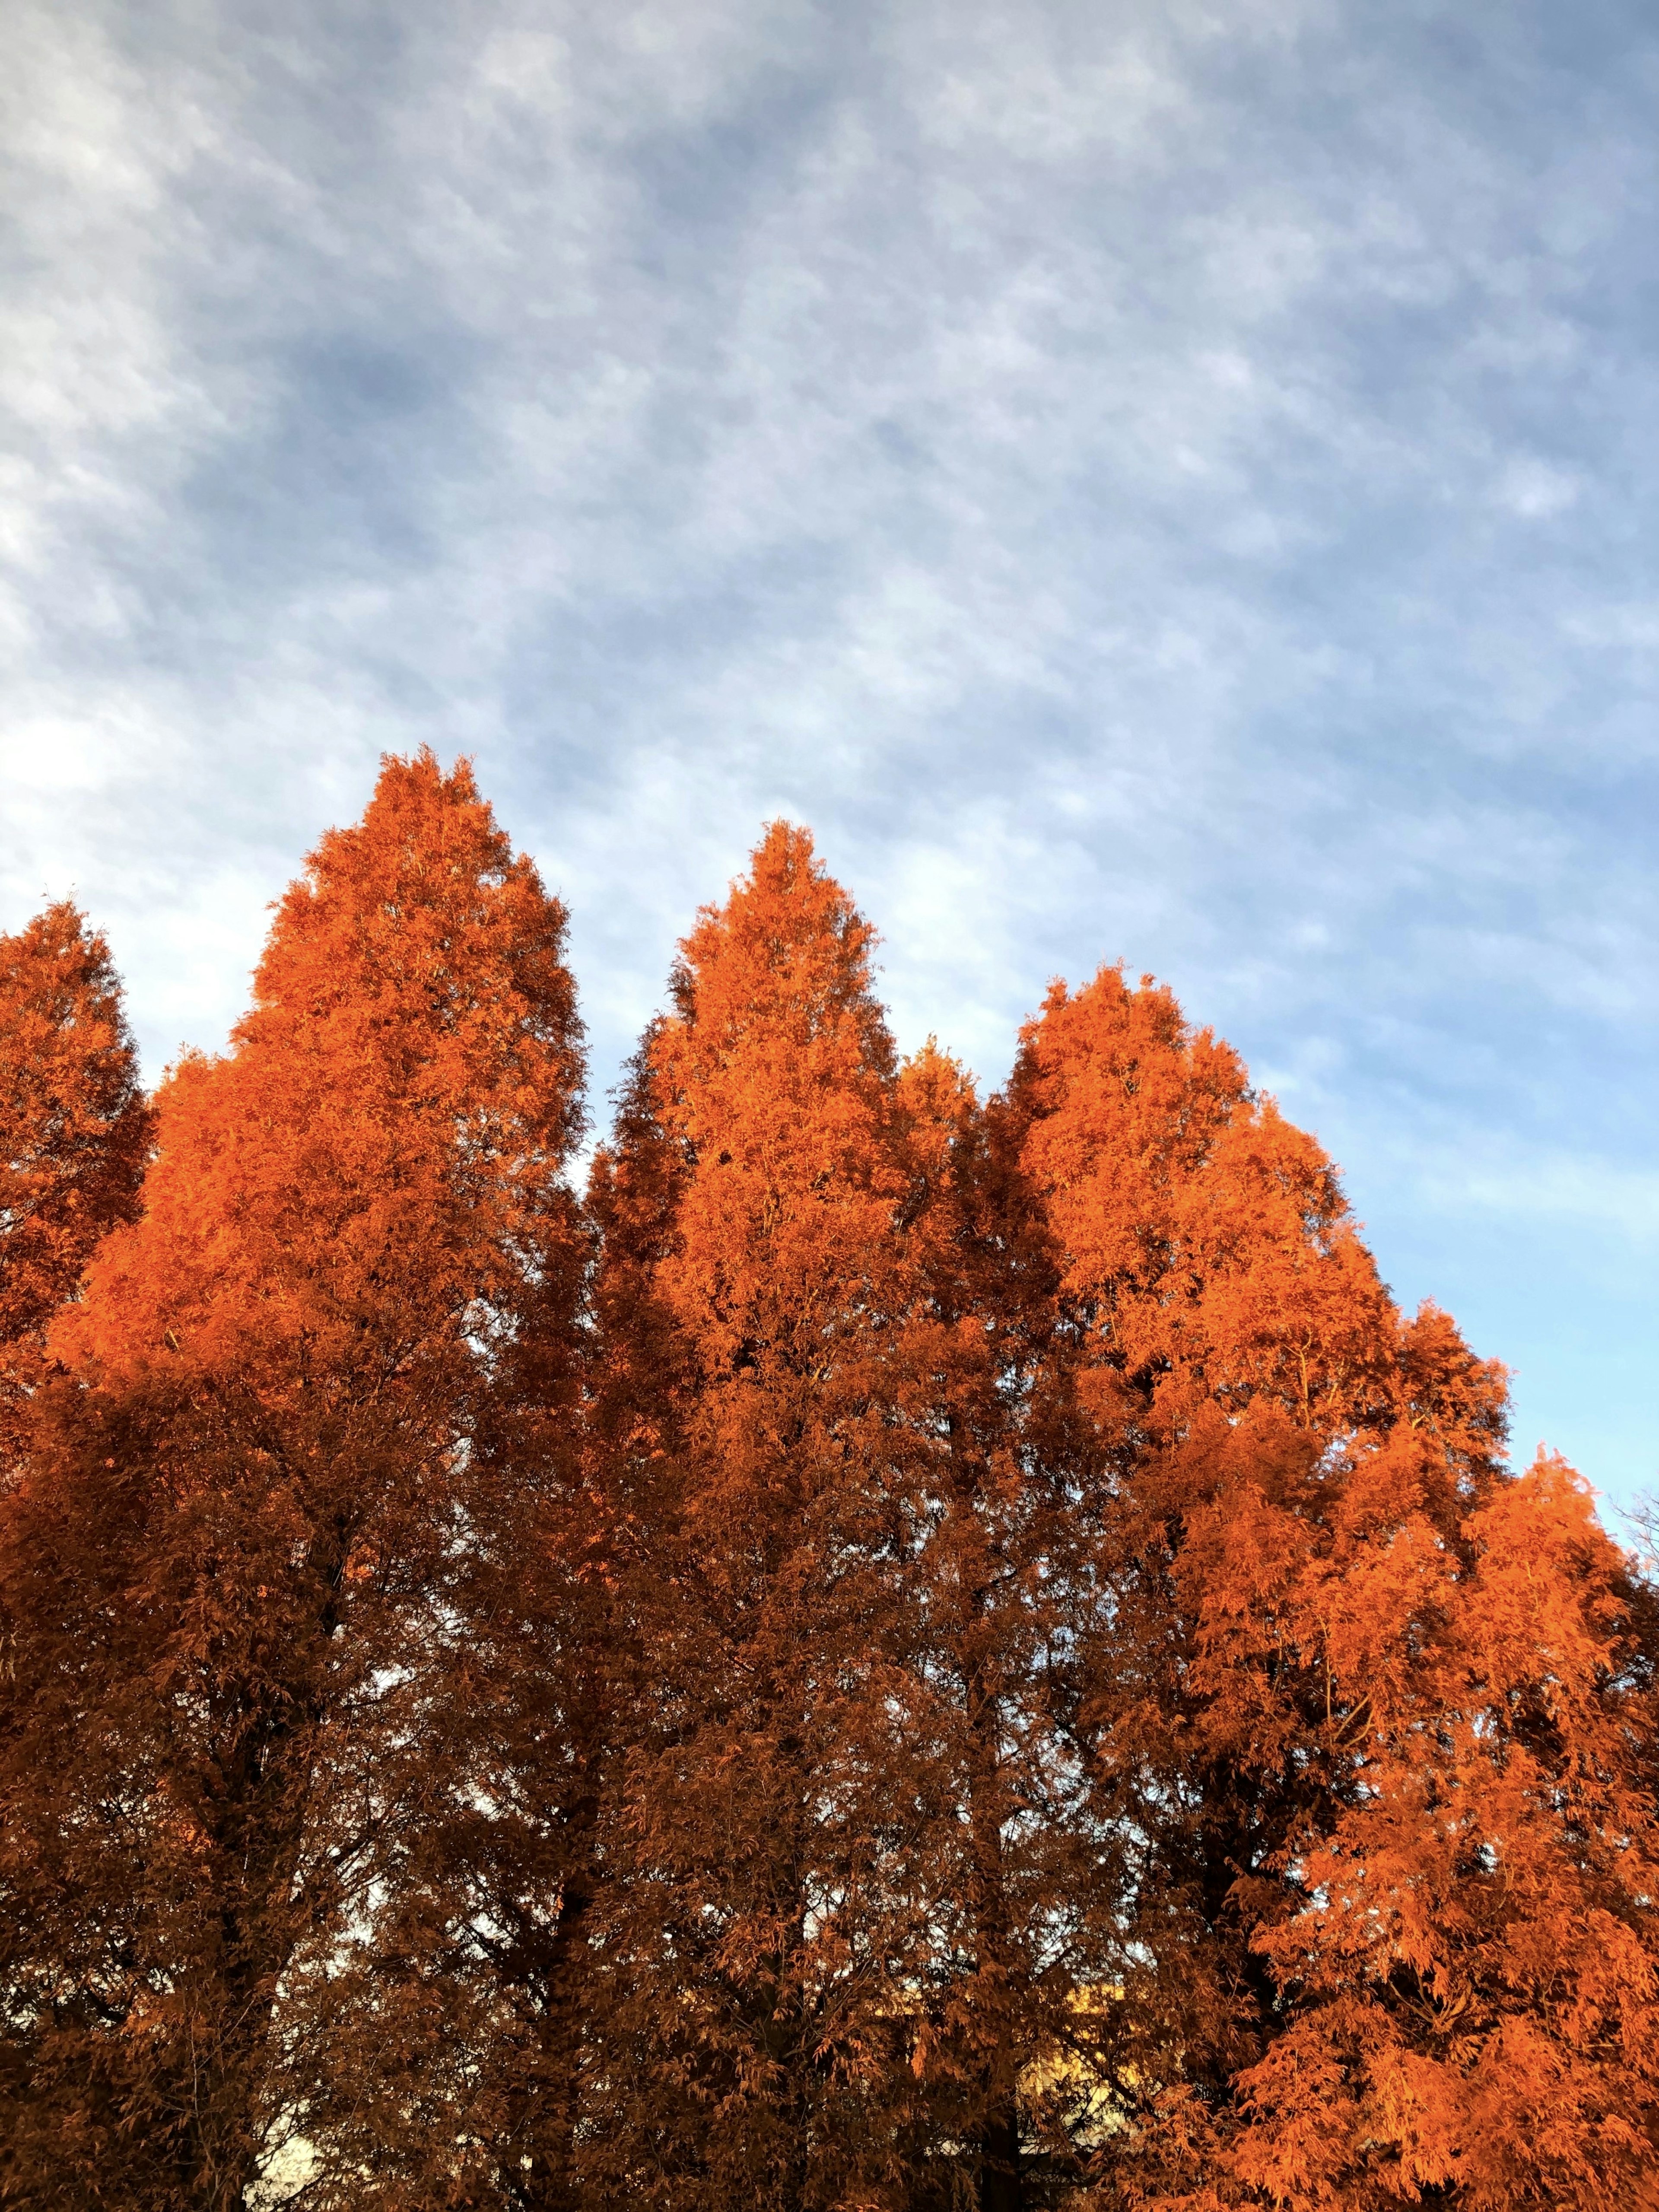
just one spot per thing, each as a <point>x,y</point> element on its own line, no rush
<point>1532,488</point>
<point>1162,481</point>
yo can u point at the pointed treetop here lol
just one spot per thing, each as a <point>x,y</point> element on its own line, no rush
<point>408,1077</point>
<point>788,946</point>
<point>421,914</point>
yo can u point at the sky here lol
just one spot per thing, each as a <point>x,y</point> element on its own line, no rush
<point>1142,479</point>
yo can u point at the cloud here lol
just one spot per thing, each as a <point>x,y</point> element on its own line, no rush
<point>1145,481</point>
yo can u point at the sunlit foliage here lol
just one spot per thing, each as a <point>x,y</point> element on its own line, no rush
<point>904,1649</point>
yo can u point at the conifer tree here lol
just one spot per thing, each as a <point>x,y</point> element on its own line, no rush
<point>756,1290</point>
<point>248,1519</point>
<point>74,1135</point>
<point>1243,1368</point>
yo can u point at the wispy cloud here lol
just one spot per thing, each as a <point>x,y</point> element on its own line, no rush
<point>1139,480</point>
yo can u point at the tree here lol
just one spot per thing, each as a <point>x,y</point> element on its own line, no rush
<point>754,1289</point>
<point>1246,1374</point>
<point>247,1521</point>
<point>467,1981</point>
<point>75,1133</point>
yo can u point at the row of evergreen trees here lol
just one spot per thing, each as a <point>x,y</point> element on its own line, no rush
<point>904,1650</point>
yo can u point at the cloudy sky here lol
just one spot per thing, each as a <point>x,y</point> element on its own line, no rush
<point>1172,479</point>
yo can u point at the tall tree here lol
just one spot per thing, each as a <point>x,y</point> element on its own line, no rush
<point>1243,1367</point>
<point>755,1288</point>
<point>230,1567</point>
<point>75,1133</point>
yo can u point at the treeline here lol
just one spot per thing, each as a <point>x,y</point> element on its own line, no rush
<point>906,1649</point>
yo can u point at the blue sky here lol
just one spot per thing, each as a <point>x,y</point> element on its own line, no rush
<point>1155,480</point>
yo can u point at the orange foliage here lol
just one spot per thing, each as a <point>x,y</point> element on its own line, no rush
<point>74,1134</point>
<point>911,1651</point>
<point>1208,1249</point>
<point>752,1197</point>
<point>1477,2005</point>
<point>1291,1480</point>
<point>232,1559</point>
<point>1005,1860</point>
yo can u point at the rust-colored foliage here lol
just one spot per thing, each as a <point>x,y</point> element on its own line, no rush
<point>1476,2010</point>
<point>74,1135</point>
<point>1309,1674</point>
<point>1207,1246</point>
<point>753,1198</point>
<point>232,1561</point>
<point>1006,1860</point>
<point>914,1651</point>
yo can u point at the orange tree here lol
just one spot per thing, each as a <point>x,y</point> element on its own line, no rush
<point>754,1291</point>
<point>243,1546</point>
<point>1471,1999</point>
<point>957,1652</point>
<point>1245,1373</point>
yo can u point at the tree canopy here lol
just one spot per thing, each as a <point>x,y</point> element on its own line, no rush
<point>898,1649</point>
